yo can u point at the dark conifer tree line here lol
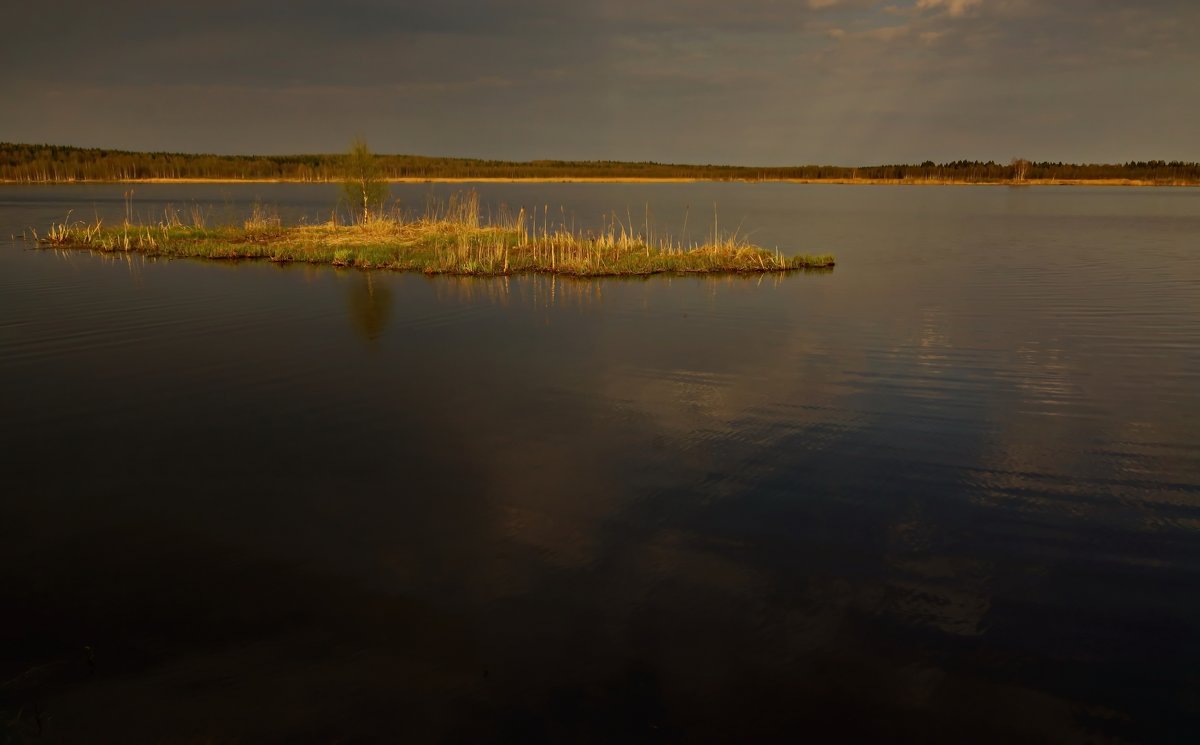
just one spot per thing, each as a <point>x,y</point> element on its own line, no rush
<point>56,163</point>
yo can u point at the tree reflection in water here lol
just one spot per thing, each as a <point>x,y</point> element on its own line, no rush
<point>369,305</point>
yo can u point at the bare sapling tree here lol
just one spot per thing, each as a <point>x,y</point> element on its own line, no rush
<point>363,184</point>
<point>1020,168</point>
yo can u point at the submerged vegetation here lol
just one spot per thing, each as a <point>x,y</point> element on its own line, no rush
<point>448,238</point>
<point>28,163</point>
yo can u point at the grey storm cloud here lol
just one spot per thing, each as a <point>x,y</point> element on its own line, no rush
<point>760,81</point>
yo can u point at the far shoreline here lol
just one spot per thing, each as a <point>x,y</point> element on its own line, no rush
<point>628,180</point>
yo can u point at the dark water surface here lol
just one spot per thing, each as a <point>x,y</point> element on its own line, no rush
<point>949,492</point>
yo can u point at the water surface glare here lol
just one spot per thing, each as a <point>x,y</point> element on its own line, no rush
<point>948,492</point>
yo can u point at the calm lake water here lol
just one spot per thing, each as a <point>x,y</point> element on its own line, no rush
<point>948,492</point>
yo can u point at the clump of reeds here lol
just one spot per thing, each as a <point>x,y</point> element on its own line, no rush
<point>262,221</point>
<point>126,237</point>
<point>449,238</point>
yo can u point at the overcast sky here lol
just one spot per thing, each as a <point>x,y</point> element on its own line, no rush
<point>849,82</point>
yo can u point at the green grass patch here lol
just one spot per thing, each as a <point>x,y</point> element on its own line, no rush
<point>447,239</point>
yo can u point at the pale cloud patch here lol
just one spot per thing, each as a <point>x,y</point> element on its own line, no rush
<point>886,33</point>
<point>954,8</point>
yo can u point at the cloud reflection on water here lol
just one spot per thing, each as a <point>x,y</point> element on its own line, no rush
<point>906,503</point>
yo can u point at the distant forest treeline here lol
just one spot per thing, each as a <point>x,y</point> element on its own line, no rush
<point>55,163</point>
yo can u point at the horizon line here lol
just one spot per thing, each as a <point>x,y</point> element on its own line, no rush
<point>926,162</point>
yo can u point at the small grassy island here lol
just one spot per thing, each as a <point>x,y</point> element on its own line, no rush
<point>447,239</point>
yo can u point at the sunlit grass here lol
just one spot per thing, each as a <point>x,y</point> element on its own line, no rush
<point>449,238</point>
